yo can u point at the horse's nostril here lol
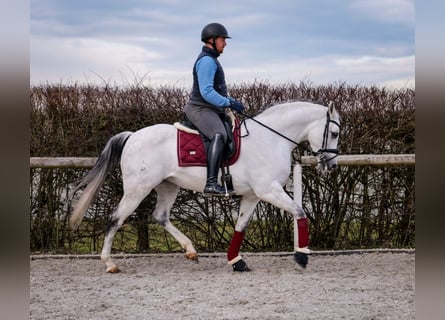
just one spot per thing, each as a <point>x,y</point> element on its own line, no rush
<point>334,166</point>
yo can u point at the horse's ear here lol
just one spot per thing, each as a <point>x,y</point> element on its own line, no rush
<point>331,107</point>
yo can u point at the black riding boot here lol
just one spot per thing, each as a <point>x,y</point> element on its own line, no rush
<point>214,156</point>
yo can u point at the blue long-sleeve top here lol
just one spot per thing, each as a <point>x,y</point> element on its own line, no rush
<point>206,69</point>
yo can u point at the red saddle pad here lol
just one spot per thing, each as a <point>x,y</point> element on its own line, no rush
<point>191,151</point>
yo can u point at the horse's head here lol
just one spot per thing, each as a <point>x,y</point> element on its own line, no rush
<point>323,139</point>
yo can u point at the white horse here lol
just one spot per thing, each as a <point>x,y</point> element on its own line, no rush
<point>148,161</point>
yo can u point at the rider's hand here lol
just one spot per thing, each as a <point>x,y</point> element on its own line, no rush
<point>236,105</point>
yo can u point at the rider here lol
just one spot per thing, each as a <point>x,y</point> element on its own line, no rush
<point>208,99</point>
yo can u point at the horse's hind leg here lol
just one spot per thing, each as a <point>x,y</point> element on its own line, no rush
<point>167,193</point>
<point>127,206</point>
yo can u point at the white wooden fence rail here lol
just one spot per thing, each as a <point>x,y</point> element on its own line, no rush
<point>353,159</point>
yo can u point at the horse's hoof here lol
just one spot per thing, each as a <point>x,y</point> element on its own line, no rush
<point>192,256</point>
<point>301,259</point>
<point>113,269</point>
<point>240,266</point>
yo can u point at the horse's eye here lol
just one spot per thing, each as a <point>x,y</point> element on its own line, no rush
<point>334,134</point>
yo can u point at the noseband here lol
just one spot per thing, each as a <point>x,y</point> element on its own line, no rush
<point>324,145</point>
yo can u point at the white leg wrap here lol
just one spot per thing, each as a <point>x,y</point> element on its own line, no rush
<point>235,260</point>
<point>304,250</point>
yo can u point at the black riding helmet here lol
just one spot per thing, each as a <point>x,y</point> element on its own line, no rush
<point>213,30</point>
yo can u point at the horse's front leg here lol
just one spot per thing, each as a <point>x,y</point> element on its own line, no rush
<point>301,227</point>
<point>247,206</point>
<point>276,196</point>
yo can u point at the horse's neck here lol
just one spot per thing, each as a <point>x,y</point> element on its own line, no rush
<point>291,120</point>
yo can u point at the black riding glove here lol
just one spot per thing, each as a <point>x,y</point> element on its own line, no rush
<point>236,105</point>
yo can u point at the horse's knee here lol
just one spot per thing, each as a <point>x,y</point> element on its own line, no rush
<point>242,222</point>
<point>300,213</point>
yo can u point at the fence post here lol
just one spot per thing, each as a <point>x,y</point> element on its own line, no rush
<point>298,197</point>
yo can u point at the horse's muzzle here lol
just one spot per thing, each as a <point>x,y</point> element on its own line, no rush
<point>327,162</point>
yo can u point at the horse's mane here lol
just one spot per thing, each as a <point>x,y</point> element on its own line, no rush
<point>267,109</point>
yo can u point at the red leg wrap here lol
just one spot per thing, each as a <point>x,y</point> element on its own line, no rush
<point>303,232</point>
<point>235,245</point>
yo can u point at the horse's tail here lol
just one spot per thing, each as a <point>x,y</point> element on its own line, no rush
<point>106,162</point>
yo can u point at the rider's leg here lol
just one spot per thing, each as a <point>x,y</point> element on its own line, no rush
<point>214,156</point>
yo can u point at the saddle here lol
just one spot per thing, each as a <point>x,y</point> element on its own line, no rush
<point>192,145</point>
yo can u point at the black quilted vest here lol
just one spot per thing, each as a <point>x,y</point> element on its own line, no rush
<point>219,82</point>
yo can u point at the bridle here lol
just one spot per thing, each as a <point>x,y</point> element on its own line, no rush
<point>324,145</point>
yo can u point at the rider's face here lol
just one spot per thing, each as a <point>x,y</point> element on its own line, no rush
<point>220,44</point>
